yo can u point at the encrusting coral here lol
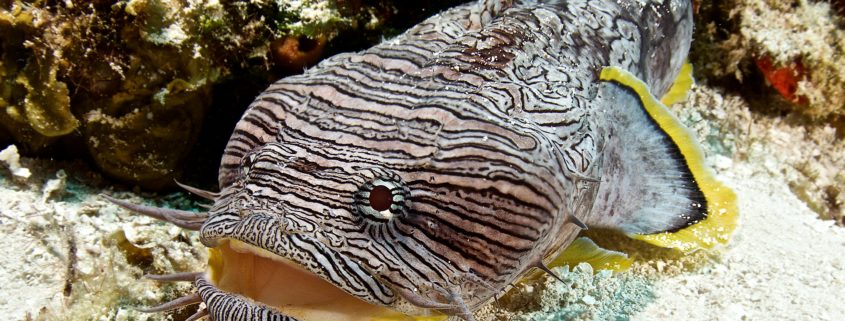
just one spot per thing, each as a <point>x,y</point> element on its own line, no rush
<point>798,47</point>
<point>132,80</point>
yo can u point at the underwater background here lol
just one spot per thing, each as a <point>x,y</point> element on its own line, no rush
<point>122,97</point>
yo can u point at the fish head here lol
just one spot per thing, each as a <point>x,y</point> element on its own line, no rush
<point>429,217</point>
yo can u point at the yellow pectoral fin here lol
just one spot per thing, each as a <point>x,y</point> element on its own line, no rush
<point>722,215</point>
<point>585,250</point>
<point>681,87</point>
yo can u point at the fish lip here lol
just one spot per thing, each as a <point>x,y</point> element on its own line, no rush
<point>290,248</point>
<point>404,301</point>
<point>218,302</point>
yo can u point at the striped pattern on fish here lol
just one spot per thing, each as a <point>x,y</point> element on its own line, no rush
<point>429,172</point>
<point>226,306</point>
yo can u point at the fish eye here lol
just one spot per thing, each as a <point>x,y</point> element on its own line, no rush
<point>381,199</point>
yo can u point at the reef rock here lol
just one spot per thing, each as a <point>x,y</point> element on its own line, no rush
<point>132,80</point>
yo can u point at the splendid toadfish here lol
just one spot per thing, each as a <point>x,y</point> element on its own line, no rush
<point>422,177</point>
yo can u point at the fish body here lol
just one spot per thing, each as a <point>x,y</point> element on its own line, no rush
<point>428,173</point>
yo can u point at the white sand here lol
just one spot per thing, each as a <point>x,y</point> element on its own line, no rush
<point>32,270</point>
<point>783,264</point>
<point>64,251</point>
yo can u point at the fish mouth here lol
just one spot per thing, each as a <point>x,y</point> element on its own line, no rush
<point>268,279</point>
<point>244,276</point>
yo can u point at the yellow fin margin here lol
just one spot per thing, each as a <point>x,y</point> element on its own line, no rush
<point>722,212</point>
<point>681,87</point>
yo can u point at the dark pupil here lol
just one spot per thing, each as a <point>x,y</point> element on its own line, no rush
<point>380,198</point>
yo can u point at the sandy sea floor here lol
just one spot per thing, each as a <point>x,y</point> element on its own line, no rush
<point>783,263</point>
<point>69,255</point>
